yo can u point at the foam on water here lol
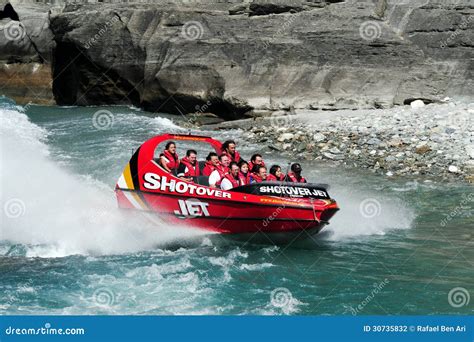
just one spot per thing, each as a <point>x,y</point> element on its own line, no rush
<point>167,123</point>
<point>367,213</point>
<point>55,213</point>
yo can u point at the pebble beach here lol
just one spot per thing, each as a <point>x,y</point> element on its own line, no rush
<point>430,141</point>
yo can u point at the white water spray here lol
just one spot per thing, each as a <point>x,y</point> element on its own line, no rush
<point>367,213</point>
<point>54,213</point>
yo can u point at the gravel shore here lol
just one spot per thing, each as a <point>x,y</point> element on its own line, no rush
<point>434,141</point>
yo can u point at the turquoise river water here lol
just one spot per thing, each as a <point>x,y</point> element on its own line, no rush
<point>397,246</point>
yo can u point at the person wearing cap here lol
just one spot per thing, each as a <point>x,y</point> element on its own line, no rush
<point>295,174</point>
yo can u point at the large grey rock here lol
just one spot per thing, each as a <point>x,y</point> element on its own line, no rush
<point>174,57</point>
<point>25,54</point>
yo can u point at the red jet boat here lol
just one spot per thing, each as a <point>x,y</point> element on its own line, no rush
<point>275,209</point>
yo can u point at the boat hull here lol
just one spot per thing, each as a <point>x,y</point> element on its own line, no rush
<point>229,217</point>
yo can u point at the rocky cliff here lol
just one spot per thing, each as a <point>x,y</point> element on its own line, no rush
<point>237,58</point>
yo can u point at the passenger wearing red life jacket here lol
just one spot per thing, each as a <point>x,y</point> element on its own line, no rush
<point>275,174</point>
<point>169,159</point>
<point>256,160</point>
<point>232,179</point>
<point>221,170</point>
<point>259,174</point>
<point>212,161</point>
<point>244,173</point>
<point>295,174</point>
<point>189,166</point>
<point>228,147</point>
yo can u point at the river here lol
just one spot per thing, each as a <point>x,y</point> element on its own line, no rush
<point>397,246</point>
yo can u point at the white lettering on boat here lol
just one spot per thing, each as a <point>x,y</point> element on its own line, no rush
<point>152,181</point>
<point>292,191</point>
<point>192,208</point>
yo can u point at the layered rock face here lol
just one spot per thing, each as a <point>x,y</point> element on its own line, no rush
<point>25,53</point>
<point>232,59</point>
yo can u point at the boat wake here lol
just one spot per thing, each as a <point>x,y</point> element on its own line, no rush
<point>365,214</point>
<point>52,213</point>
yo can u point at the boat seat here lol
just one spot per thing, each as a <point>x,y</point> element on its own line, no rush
<point>201,163</point>
<point>174,172</point>
<point>201,180</point>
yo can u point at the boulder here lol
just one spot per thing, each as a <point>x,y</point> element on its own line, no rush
<point>286,137</point>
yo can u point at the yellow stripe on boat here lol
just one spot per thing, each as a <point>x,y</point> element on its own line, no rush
<point>139,201</point>
<point>128,177</point>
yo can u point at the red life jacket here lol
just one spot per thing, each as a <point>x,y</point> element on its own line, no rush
<point>235,182</point>
<point>256,178</point>
<point>236,157</point>
<point>173,159</point>
<point>223,171</point>
<point>244,179</point>
<point>208,168</point>
<point>251,165</point>
<point>292,178</point>
<point>193,170</point>
<point>273,178</point>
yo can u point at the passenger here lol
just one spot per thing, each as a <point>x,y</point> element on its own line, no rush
<point>212,161</point>
<point>189,166</point>
<point>232,179</point>
<point>295,174</point>
<point>275,174</point>
<point>244,173</point>
<point>259,174</point>
<point>220,171</point>
<point>228,147</point>
<point>256,160</point>
<point>169,159</point>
